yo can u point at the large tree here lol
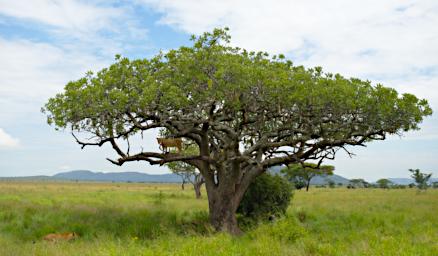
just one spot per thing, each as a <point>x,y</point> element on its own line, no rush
<point>246,112</point>
<point>305,172</point>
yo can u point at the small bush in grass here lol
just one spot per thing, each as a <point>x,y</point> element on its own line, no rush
<point>331,184</point>
<point>266,197</point>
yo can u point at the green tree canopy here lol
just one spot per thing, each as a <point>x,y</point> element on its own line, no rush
<point>305,172</point>
<point>384,183</point>
<point>246,111</point>
<point>420,178</point>
<point>359,183</point>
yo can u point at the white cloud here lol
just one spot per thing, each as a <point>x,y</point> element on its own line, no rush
<point>31,72</point>
<point>341,26</point>
<point>102,27</point>
<point>67,14</point>
<point>7,141</point>
<point>84,36</point>
<point>32,69</point>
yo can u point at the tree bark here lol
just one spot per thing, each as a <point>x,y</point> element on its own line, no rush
<point>223,206</point>
<point>197,186</point>
<point>225,187</point>
<point>224,199</point>
<point>307,185</point>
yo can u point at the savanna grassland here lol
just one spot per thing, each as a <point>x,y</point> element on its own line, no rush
<point>159,219</point>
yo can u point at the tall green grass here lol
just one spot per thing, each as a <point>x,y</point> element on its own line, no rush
<point>157,219</point>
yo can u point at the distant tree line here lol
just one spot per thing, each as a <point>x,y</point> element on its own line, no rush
<point>300,175</point>
<point>421,181</point>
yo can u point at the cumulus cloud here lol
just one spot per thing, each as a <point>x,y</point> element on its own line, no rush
<point>83,36</point>
<point>33,69</point>
<point>30,72</point>
<point>102,27</point>
<point>76,16</point>
<point>7,141</point>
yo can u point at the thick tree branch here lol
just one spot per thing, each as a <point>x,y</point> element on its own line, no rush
<point>159,158</point>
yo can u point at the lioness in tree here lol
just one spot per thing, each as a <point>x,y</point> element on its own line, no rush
<point>168,142</point>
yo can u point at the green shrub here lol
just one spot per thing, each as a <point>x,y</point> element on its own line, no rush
<point>266,197</point>
<point>331,184</point>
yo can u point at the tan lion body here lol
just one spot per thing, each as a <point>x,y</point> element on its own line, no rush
<point>167,143</point>
<point>60,237</point>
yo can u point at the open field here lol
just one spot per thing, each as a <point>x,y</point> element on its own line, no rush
<point>158,219</point>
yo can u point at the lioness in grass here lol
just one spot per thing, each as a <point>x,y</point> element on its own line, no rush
<point>60,237</point>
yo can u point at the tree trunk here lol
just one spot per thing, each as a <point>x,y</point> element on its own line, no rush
<point>223,201</point>
<point>225,190</point>
<point>223,206</point>
<point>307,186</point>
<point>182,185</point>
<point>197,184</point>
<point>197,187</point>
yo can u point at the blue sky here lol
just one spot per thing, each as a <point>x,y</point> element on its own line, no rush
<point>44,44</point>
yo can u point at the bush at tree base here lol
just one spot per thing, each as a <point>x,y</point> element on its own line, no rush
<point>268,196</point>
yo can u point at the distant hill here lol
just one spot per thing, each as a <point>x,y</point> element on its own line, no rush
<point>407,181</point>
<point>85,175</point>
<point>317,180</point>
<point>401,181</point>
<point>323,180</point>
<point>38,177</point>
<point>117,176</point>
